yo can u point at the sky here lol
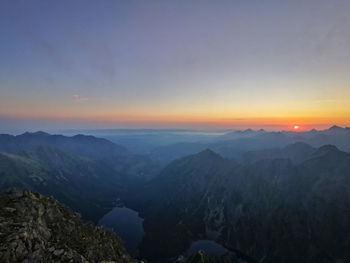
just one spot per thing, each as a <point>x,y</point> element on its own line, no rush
<point>174,64</point>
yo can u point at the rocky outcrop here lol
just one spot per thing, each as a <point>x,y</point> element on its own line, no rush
<point>35,228</point>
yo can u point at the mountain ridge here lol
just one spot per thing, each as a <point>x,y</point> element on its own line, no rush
<point>253,208</point>
<point>80,144</point>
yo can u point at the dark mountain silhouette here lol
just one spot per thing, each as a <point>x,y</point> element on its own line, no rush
<point>86,185</point>
<point>234,144</point>
<point>271,210</point>
<point>89,146</point>
<point>242,133</point>
<point>84,172</point>
<point>279,200</point>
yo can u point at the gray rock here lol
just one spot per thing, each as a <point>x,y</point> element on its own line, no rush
<point>35,228</point>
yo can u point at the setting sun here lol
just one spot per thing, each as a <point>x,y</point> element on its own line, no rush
<point>228,122</point>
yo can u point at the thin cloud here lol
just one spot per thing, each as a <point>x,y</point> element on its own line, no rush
<point>79,99</point>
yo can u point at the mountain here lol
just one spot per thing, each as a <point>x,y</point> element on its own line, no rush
<point>336,128</point>
<point>86,185</point>
<point>236,143</point>
<point>241,133</point>
<point>172,203</point>
<point>272,210</point>
<point>89,146</point>
<point>232,145</point>
<point>35,228</point>
<point>84,172</point>
<point>296,152</point>
<point>164,154</point>
<point>275,202</point>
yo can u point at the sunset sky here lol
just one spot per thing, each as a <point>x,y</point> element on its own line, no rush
<point>174,64</point>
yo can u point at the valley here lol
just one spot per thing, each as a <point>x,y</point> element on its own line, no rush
<point>286,204</point>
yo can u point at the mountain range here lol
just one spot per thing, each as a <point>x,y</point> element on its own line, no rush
<point>84,172</point>
<point>36,228</point>
<point>264,196</point>
<point>234,144</point>
<point>271,210</point>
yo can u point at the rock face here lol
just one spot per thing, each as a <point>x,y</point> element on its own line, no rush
<point>35,228</point>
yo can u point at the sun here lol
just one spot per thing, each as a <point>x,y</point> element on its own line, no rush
<point>296,127</point>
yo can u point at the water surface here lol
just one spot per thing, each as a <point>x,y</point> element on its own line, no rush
<point>127,224</point>
<point>209,246</point>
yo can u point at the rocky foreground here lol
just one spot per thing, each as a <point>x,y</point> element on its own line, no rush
<point>38,229</point>
<point>35,228</point>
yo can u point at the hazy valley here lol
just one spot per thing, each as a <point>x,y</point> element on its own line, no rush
<point>284,197</point>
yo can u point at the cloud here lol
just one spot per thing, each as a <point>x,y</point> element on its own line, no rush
<point>79,99</point>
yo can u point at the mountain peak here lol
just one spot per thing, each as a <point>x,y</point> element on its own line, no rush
<point>205,156</point>
<point>327,149</point>
<point>87,145</point>
<point>208,153</point>
<point>41,133</point>
<point>335,128</point>
<point>37,133</point>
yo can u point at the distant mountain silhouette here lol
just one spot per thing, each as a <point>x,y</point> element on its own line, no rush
<point>84,172</point>
<point>80,144</point>
<point>235,144</point>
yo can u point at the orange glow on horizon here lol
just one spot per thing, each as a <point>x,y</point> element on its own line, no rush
<point>194,122</point>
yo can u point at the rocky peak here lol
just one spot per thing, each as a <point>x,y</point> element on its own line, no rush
<point>35,228</point>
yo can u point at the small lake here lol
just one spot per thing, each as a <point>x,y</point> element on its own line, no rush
<point>209,246</point>
<point>127,224</point>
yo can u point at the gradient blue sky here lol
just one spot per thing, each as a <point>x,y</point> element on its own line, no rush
<point>199,64</point>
